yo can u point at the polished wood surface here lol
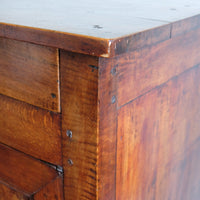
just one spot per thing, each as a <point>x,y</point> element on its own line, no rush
<point>153,36</point>
<point>52,191</point>
<point>32,130</point>
<point>158,142</point>
<point>144,69</point>
<point>71,42</point>
<point>30,73</point>
<point>107,130</point>
<point>23,172</point>
<point>100,100</point>
<point>97,18</point>
<point>92,27</point>
<point>79,90</point>
<point>7,193</point>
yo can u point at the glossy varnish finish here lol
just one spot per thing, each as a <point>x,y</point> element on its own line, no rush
<point>30,73</point>
<point>144,69</point>
<point>79,87</point>
<point>128,111</point>
<point>30,129</point>
<point>158,142</point>
<point>107,129</point>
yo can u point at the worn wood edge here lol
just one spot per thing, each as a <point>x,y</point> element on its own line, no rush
<point>67,41</point>
<point>185,25</point>
<point>95,46</point>
<point>149,37</point>
<point>139,40</point>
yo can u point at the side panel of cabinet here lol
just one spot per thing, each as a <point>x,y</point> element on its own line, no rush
<point>159,142</point>
<point>146,68</point>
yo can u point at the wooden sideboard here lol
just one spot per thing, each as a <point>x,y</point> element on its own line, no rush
<point>100,100</point>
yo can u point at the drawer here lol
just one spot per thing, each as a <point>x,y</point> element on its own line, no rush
<point>30,73</point>
<point>8,193</point>
<point>29,129</point>
<point>27,175</point>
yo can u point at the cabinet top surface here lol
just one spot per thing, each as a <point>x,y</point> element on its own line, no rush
<point>98,28</point>
<point>102,19</point>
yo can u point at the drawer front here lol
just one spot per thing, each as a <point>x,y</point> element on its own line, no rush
<point>30,73</point>
<point>7,193</point>
<point>27,175</point>
<point>32,130</point>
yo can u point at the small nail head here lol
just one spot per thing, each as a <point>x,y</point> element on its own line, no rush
<point>69,133</point>
<point>113,99</point>
<point>70,162</point>
<point>113,71</point>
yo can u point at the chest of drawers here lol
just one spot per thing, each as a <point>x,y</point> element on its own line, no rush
<point>99,100</point>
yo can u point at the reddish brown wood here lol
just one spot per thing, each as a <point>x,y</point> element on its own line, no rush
<point>79,89</point>
<point>30,73</point>
<point>107,130</point>
<point>23,172</point>
<point>9,194</point>
<point>159,142</point>
<point>68,41</point>
<point>89,29</point>
<point>183,26</point>
<point>52,191</point>
<point>32,130</point>
<point>129,122</point>
<point>140,40</point>
<point>147,68</point>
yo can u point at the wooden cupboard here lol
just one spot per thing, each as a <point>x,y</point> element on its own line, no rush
<point>99,101</point>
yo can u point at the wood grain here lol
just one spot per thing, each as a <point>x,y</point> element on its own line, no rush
<point>147,68</point>
<point>68,41</point>
<point>95,18</point>
<point>30,73</point>
<point>79,90</point>
<point>52,191</point>
<point>107,130</point>
<point>23,172</point>
<point>185,25</point>
<point>159,142</point>
<point>31,130</point>
<point>9,194</point>
<point>140,40</point>
<point>98,29</point>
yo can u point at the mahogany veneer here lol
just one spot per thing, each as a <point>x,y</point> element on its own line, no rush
<point>100,101</point>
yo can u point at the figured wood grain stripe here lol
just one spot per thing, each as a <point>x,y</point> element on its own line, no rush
<point>79,90</point>
<point>9,194</point>
<point>30,73</point>
<point>144,69</point>
<point>107,130</point>
<point>31,130</point>
<point>23,172</point>
<point>159,142</point>
<point>52,191</point>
